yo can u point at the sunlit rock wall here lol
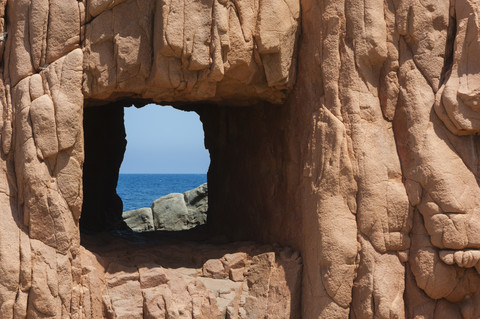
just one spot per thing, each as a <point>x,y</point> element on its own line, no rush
<point>371,166</point>
<point>356,142</point>
<point>189,50</point>
<point>42,150</point>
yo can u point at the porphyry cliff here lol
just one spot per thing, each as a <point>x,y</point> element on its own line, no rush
<point>344,129</point>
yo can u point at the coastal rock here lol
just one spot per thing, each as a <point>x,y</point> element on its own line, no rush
<point>197,200</point>
<point>139,220</point>
<point>190,50</point>
<point>173,212</point>
<point>130,285</point>
<point>170,212</point>
<point>354,142</point>
<point>177,211</point>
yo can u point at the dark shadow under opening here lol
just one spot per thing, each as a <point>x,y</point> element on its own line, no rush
<point>104,144</point>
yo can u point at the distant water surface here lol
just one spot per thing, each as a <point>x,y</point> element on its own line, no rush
<point>140,190</point>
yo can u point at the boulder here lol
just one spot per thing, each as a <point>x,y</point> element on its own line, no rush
<point>176,211</point>
<point>197,200</point>
<point>172,212</point>
<point>139,220</point>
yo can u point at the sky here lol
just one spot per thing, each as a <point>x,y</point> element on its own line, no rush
<point>164,140</point>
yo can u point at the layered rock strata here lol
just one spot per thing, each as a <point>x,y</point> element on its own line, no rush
<point>368,164</point>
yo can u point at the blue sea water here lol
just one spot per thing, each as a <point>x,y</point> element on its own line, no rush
<point>140,190</point>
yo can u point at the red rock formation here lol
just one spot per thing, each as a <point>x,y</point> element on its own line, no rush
<point>189,280</point>
<point>349,135</point>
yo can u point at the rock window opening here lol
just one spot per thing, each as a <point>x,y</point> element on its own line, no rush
<point>203,271</point>
<point>145,169</point>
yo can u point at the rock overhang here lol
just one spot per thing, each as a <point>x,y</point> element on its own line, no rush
<point>223,52</point>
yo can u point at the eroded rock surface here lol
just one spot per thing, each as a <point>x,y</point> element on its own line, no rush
<point>188,50</point>
<point>189,280</point>
<point>346,129</point>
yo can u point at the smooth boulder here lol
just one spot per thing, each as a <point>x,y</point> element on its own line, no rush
<point>139,220</point>
<point>173,212</point>
<point>177,211</point>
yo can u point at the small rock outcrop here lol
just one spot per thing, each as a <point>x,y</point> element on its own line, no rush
<point>173,212</point>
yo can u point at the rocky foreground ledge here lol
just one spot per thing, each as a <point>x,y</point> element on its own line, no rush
<point>122,278</point>
<point>172,273</point>
<point>173,212</point>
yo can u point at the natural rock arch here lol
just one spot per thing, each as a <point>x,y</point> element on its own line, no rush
<point>355,145</point>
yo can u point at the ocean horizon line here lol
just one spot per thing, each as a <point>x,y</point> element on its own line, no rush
<point>163,173</point>
<point>141,190</point>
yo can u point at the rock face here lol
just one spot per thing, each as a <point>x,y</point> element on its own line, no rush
<point>345,129</point>
<point>188,50</point>
<point>122,281</point>
<point>172,212</point>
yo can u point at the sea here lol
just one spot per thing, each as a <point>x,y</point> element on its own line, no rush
<point>140,190</point>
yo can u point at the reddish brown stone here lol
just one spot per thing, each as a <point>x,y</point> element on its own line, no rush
<point>345,129</point>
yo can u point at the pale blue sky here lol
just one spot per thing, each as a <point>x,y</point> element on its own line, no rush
<point>164,140</point>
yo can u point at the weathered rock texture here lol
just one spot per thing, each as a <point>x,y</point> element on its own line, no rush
<point>349,134</point>
<point>189,50</point>
<point>189,280</point>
